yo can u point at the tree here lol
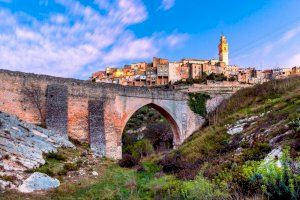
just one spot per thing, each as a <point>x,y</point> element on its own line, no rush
<point>33,94</point>
<point>232,78</point>
<point>160,135</point>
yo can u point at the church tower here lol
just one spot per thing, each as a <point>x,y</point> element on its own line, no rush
<point>223,50</point>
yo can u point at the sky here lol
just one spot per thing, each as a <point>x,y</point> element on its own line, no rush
<point>73,38</point>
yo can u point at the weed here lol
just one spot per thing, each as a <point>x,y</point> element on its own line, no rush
<point>128,161</point>
<point>295,124</point>
<point>8,178</point>
<point>257,152</point>
<point>197,103</point>
<point>56,156</point>
<point>71,166</point>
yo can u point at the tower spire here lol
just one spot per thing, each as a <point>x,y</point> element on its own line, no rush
<point>223,50</point>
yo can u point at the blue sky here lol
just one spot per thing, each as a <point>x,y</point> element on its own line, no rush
<point>73,38</point>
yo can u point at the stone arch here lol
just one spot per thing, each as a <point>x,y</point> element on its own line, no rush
<point>165,113</point>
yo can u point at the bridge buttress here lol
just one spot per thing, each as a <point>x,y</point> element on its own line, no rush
<point>57,108</point>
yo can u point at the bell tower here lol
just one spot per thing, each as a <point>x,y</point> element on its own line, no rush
<point>223,50</point>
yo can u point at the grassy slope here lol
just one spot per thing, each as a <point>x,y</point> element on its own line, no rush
<point>279,98</point>
<point>211,149</point>
<point>213,152</point>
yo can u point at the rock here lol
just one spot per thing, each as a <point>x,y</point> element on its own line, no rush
<point>26,143</point>
<point>81,172</point>
<point>238,126</point>
<point>272,156</point>
<point>235,130</point>
<point>215,101</point>
<point>38,181</point>
<point>95,173</point>
<point>84,153</point>
<point>238,151</point>
<point>6,185</point>
<point>23,146</point>
<point>279,138</point>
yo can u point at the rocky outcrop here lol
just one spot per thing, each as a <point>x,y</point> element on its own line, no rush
<point>239,125</point>
<point>215,101</point>
<point>38,181</point>
<point>22,146</point>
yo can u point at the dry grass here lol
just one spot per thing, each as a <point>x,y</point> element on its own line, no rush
<point>254,95</point>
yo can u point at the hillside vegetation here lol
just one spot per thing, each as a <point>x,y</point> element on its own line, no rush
<point>269,117</point>
<point>249,150</point>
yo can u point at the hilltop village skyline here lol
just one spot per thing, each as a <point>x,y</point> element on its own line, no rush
<point>161,71</point>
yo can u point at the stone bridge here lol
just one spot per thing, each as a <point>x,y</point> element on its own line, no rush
<point>92,112</point>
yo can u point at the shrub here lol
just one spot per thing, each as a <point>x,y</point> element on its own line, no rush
<point>142,148</point>
<point>8,178</point>
<point>232,78</point>
<point>295,124</point>
<point>176,165</point>
<point>128,161</point>
<point>276,181</point>
<point>216,77</point>
<point>46,170</point>
<point>201,188</point>
<point>160,135</point>
<point>75,141</point>
<point>56,156</point>
<point>257,152</point>
<point>197,102</point>
<point>165,187</point>
<point>281,182</point>
<point>6,157</point>
<point>71,166</point>
<point>62,172</point>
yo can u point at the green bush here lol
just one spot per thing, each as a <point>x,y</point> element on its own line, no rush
<point>142,148</point>
<point>71,166</point>
<point>164,187</point>
<point>232,78</point>
<point>276,178</point>
<point>46,170</point>
<point>200,188</point>
<point>216,77</point>
<point>257,152</point>
<point>128,161</point>
<point>295,124</point>
<point>197,102</point>
<point>56,156</point>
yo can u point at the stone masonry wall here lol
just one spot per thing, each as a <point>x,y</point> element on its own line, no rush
<point>57,108</point>
<point>80,93</point>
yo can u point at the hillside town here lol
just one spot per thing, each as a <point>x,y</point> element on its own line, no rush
<point>161,71</point>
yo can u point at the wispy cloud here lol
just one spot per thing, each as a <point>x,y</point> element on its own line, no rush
<point>290,34</point>
<point>167,4</point>
<point>282,51</point>
<point>176,39</point>
<point>79,40</point>
<point>294,60</point>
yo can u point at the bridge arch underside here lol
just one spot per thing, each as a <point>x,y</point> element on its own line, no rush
<point>108,118</point>
<point>173,124</point>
